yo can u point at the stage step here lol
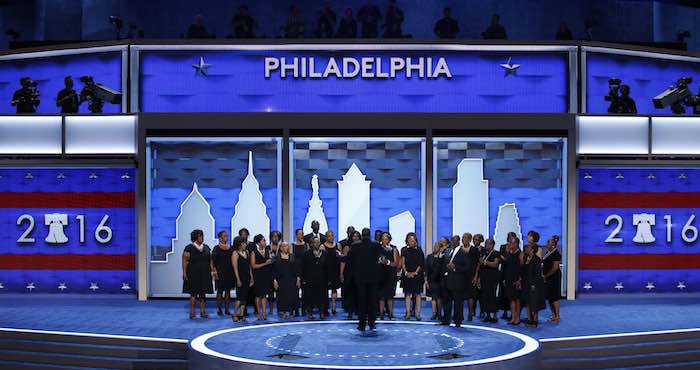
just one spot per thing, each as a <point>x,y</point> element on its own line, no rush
<point>661,350</point>
<point>55,350</point>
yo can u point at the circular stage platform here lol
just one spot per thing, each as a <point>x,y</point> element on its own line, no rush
<point>338,345</point>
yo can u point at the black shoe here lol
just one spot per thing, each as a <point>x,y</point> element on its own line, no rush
<point>444,323</point>
<point>470,317</point>
<point>334,312</point>
<point>458,325</point>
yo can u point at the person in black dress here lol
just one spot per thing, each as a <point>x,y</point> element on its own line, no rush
<point>502,299</point>
<point>299,248</point>
<point>222,265</point>
<point>348,288</point>
<point>197,273</point>
<point>552,277</point>
<point>245,234</point>
<point>364,260</point>
<point>471,246</point>
<point>243,272</point>
<point>275,239</point>
<point>533,285</point>
<point>387,290</point>
<point>433,278</point>
<point>332,250</point>
<point>533,237</point>
<point>412,262</point>
<point>512,264</point>
<point>314,279</point>
<point>261,262</point>
<point>488,276</point>
<point>286,281</point>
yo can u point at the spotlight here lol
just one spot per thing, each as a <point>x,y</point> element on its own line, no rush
<point>678,97</point>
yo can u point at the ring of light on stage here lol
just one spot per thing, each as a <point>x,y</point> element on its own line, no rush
<point>338,345</point>
<point>638,230</point>
<point>359,182</point>
<point>67,230</point>
<point>210,184</point>
<point>492,186</point>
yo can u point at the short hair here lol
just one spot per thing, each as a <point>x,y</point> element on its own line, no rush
<point>534,234</point>
<point>356,233</point>
<point>490,241</point>
<point>218,235</point>
<point>196,233</point>
<point>409,235</point>
<point>237,241</point>
<point>366,233</point>
<point>556,239</point>
<point>387,234</point>
<point>275,232</point>
<point>297,230</point>
<point>258,238</point>
<point>242,230</point>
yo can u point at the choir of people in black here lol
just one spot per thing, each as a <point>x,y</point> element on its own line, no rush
<point>300,277</point>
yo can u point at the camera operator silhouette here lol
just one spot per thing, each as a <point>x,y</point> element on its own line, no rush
<point>26,99</point>
<point>619,97</point>
<point>67,98</point>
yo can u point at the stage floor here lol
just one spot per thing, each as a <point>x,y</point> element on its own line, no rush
<point>169,318</point>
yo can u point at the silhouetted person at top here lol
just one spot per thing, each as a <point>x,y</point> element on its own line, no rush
<point>197,30</point>
<point>393,21</point>
<point>447,27</point>
<point>294,29</point>
<point>369,15</point>
<point>588,27</point>
<point>495,31</point>
<point>326,22</point>
<point>347,28</point>
<point>564,33</point>
<point>243,24</point>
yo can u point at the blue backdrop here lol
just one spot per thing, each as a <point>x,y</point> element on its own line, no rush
<point>625,192</point>
<point>88,192</point>
<point>647,77</point>
<point>219,169</point>
<point>236,83</point>
<point>49,72</point>
<point>394,167</point>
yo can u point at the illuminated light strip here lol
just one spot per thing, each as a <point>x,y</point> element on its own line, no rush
<point>61,52</point>
<point>67,261</point>
<point>639,261</point>
<point>360,47</point>
<point>639,199</point>
<point>93,335</point>
<point>67,200</point>
<point>622,335</point>
<point>199,344</point>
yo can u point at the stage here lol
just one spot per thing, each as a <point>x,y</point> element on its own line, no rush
<point>334,343</point>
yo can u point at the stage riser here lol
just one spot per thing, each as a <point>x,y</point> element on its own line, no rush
<point>32,350</point>
<point>658,351</point>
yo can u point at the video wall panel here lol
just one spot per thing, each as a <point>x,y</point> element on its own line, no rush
<point>67,230</point>
<point>49,72</point>
<point>638,230</point>
<point>211,184</point>
<point>359,182</point>
<point>351,80</point>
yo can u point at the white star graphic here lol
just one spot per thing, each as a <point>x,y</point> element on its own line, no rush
<point>93,175</point>
<point>29,175</point>
<point>681,285</point>
<point>651,176</point>
<point>125,286</point>
<point>93,287</point>
<point>126,176</point>
<point>587,286</point>
<point>60,175</point>
<point>2,286</point>
<point>619,286</point>
<point>620,176</point>
<point>587,176</point>
<point>650,285</point>
<point>201,68</point>
<point>682,176</point>
<point>31,286</point>
<point>510,68</point>
<point>62,286</point>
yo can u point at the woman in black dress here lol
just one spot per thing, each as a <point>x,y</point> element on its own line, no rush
<point>512,266</point>
<point>533,285</point>
<point>262,271</point>
<point>223,278</point>
<point>197,273</point>
<point>347,290</point>
<point>299,247</point>
<point>488,276</point>
<point>473,256</point>
<point>286,281</point>
<point>275,239</point>
<point>240,259</point>
<point>502,299</point>
<point>433,277</point>
<point>332,250</point>
<point>314,278</point>
<point>387,290</point>
<point>552,277</point>
<point>412,262</point>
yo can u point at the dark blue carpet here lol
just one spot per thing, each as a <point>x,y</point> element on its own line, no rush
<point>168,318</point>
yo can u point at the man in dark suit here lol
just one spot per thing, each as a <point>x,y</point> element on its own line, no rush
<point>455,280</point>
<point>364,264</point>
<point>314,233</point>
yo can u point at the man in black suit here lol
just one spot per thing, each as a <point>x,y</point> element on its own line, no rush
<point>455,280</point>
<point>364,264</point>
<point>314,233</point>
